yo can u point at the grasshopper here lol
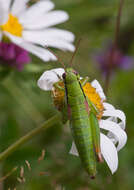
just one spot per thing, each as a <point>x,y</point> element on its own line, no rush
<point>81,112</point>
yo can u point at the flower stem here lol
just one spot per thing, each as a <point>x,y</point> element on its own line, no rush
<point>29,135</point>
<point>114,46</point>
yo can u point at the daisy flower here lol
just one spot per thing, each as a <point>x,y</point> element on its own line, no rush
<point>31,28</point>
<point>111,120</point>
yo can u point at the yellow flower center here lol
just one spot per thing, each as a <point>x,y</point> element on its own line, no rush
<point>94,97</point>
<point>90,92</point>
<point>13,26</point>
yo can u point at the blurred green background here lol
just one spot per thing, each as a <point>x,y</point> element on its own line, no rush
<point>24,106</point>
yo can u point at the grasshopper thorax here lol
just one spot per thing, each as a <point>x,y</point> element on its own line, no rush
<point>70,75</point>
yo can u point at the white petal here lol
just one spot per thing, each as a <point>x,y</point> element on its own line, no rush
<point>109,153</point>
<point>42,53</point>
<point>18,6</point>
<point>46,20</point>
<point>50,33</point>
<point>110,134</point>
<point>60,44</point>
<point>48,78</point>
<point>3,17</point>
<point>99,89</point>
<point>108,106</point>
<point>58,71</point>
<point>36,11</point>
<point>121,124</point>
<point>35,37</point>
<point>1,36</point>
<point>14,39</point>
<point>118,133</point>
<point>5,4</point>
<point>73,150</point>
<point>4,10</point>
<point>116,113</point>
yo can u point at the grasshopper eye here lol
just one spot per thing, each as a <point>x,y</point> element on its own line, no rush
<point>64,75</point>
<point>75,72</point>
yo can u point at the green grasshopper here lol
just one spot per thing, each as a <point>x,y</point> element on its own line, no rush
<point>83,122</point>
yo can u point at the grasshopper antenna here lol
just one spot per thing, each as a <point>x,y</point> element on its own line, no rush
<point>62,63</point>
<point>77,46</point>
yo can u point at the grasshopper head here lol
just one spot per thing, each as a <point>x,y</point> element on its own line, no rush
<point>70,74</point>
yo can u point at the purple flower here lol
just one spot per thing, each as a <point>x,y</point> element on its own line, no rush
<point>112,61</point>
<point>13,56</point>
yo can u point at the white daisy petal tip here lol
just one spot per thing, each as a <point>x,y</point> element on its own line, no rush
<point>123,142</point>
<point>48,78</point>
<point>73,150</point>
<point>116,133</point>
<point>108,106</point>
<point>117,114</point>
<point>58,71</point>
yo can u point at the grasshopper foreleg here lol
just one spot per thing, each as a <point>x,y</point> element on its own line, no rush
<point>84,81</point>
<point>56,85</point>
